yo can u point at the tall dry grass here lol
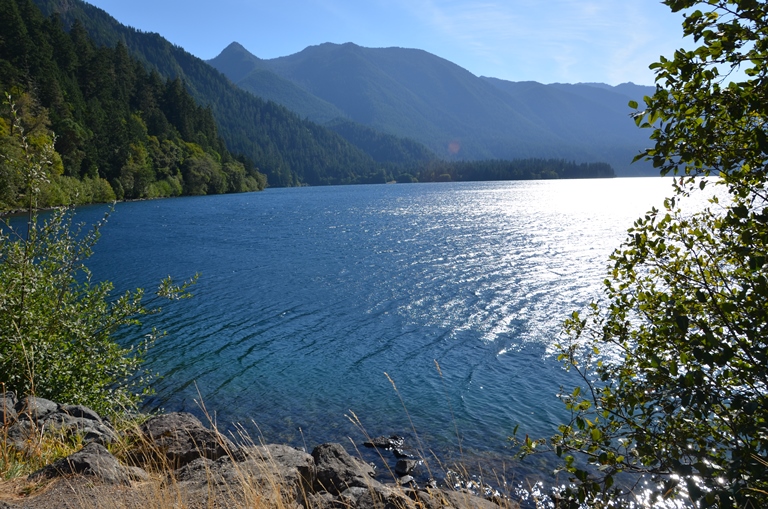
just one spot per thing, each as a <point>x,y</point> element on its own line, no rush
<point>251,484</point>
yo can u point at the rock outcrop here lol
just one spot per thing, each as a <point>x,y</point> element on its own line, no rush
<point>178,438</point>
<point>205,469</point>
<point>32,417</point>
<point>92,460</point>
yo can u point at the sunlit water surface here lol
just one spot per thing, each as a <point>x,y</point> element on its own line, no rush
<point>308,296</point>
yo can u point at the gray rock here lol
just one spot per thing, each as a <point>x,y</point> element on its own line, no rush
<point>289,465</point>
<point>21,434</point>
<point>8,413</point>
<point>350,496</point>
<point>272,478</point>
<point>393,443</point>
<point>82,412</point>
<point>322,500</point>
<point>433,498</point>
<point>406,479</point>
<point>33,408</point>
<point>402,453</point>
<point>336,470</point>
<point>197,471</point>
<point>406,466</point>
<point>464,500</point>
<point>92,460</point>
<point>90,429</point>
<point>136,473</point>
<point>180,438</point>
<point>382,497</point>
<point>388,443</point>
<point>267,467</point>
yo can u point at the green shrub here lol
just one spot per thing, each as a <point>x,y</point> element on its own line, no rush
<point>674,360</point>
<point>56,325</point>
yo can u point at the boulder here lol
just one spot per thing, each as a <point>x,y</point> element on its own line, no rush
<point>388,443</point>
<point>85,423</point>
<point>322,500</point>
<point>92,460</point>
<point>464,500</point>
<point>434,498</point>
<point>81,412</point>
<point>336,470</point>
<point>406,480</point>
<point>379,497</point>
<point>266,476</point>
<point>288,465</point>
<point>393,443</point>
<point>264,465</point>
<point>92,430</point>
<point>402,453</point>
<point>406,466</point>
<point>34,409</point>
<point>179,438</point>
<point>8,413</point>
<point>20,434</point>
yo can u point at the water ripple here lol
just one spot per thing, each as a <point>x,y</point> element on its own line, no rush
<point>307,296</point>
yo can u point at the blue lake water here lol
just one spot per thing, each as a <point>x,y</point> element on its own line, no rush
<point>308,296</point>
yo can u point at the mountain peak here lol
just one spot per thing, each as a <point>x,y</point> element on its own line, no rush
<point>235,61</point>
<point>234,46</point>
<point>236,49</point>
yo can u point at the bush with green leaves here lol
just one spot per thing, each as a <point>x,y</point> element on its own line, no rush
<point>57,326</point>
<point>674,359</point>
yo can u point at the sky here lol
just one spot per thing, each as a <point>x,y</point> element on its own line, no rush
<point>549,41</point>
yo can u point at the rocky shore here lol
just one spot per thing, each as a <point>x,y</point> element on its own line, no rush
<point>173,460</point>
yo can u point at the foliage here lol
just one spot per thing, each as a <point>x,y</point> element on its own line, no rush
<point>674,363</point>
<point>56,325</point>
<point>118,126</point>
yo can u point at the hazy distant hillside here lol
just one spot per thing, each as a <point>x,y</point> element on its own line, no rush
<point>411,93</point>
<point>597,115</point>
<point>249,73</point>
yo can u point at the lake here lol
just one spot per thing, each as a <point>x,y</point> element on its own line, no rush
<point>318,307</point>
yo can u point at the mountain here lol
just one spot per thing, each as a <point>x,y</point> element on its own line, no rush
<point>247,72</point>
<point>288,149</point>
<point>414,94</point>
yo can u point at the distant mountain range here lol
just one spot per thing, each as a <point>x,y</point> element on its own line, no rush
<point>413,94</point>
<point>334,114</point>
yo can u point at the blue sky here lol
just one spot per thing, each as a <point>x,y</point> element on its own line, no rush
<point>566,41</point>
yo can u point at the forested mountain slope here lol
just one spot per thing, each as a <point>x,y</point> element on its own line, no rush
<point>120,131</point>
<point>291,151</point>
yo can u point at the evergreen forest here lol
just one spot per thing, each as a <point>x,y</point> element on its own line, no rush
<point>121,132</point>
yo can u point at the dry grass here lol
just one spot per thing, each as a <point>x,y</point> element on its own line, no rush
<point>41,448</point>
<point>257,487</point>
<point>247,482</point>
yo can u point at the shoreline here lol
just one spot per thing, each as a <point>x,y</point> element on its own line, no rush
<point>175,451</point>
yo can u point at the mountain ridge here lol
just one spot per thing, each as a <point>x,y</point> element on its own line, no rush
<point>411,93</point>
<point>289,149</point>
